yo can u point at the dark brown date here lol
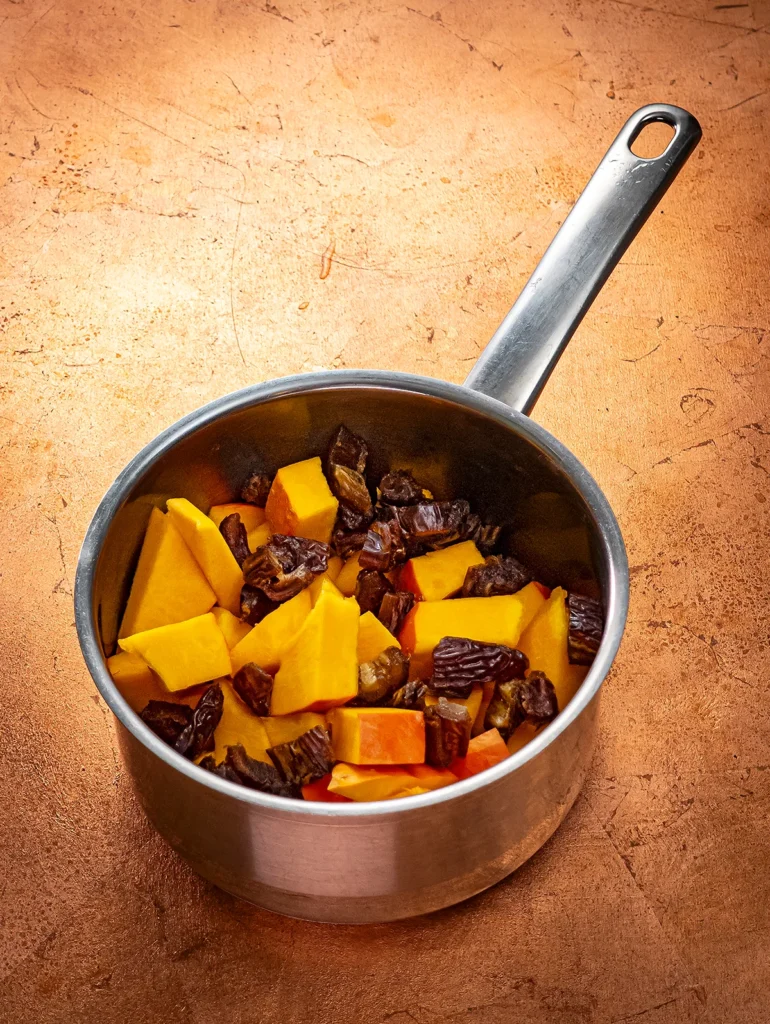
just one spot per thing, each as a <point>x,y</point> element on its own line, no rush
<point>410,696</point>
<point>166,720</point>
<point>255,605</point>
<point>256,774</point>
<point>379,679</point>
<point>458,664</point>
<point>350,487</point>
<point>256,489</point>
<point>447,732</point>
<point>371,587</point>
<point>346,544</point>
<point>586,624</point>
<point>255,687</point>
<point>400,488</point>
<point>435,524</point>
<point>537,698</point>
<point>305,759</point>
<point>484,536</point>
<point>347,449</point>
<point>521,700</point>
<point>496,576</point>
<point>286,565</point>
<point>198,736</point>
<point>223,770</point>
<point>234,532</point>
<point>384,546</point>
<point>394,609</point>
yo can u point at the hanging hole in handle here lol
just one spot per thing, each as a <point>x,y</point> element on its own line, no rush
<point>652,139</point>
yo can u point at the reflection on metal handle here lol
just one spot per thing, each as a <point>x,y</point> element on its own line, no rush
<point>616,202</point>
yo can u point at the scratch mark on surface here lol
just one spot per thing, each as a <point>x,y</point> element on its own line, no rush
<point>747,100</point>
<point>642,1013</point>
<point>326,260</point>
<point>42,17</point>
<point>640,358</point>
<point>232,268</point>
<point>645,9</point>
<point>37,110</point>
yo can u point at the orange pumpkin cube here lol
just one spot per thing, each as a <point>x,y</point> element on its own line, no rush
<point>372,736</point>
<point>544,641</point>
<point>300,502</point>
<point>319,792</point>
<point>440,574</point>
<point>484,751</point>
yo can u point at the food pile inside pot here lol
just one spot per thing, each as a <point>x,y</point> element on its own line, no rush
<point>329,640</point>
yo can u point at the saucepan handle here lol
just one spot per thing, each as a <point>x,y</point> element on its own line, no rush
<point>621,195</point>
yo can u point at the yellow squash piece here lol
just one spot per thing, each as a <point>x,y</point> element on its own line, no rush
<point>319,582</point>
<point>392,736</point>
<point>183,654</point>
<point>363,783</point>
<point>544,642</point>
<point>346,581</point>
<point>373,638</point>
<point>239,724</point>
<point>472,703</point>
<point>168,585</point>
<point>251,516</point>
<point>494,620</point>
<point>234,630</point>
<point>440,574</point>
<point>135,680</point>
<point>257,537</point>
<point>521,737</point>
<point>286,728</point>
<point>532,599</point>
<point>300,503</point>
<point>320,669</point>
<point>211,552</point>
<point>267,641</point>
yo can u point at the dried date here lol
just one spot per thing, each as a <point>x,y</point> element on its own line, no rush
<point>410,696</point>
<point>459,664</point>
<point>256,489</point>
<point>436,524</point>
<point>379,679</point>
<point>286,565</point>
<point>346,544</point>
<point>496,576</point>
<point>484,535</point>
<point>537,698</point>
<point>257,774</point>
<point>371,587</point>
<point>223,770</point>
<point>305,759</point>
<point>255,605</point>
<point>400,488</point>
<point>447,732</point>
<point>347,449</point>
<point>166,719</point>
<point>255,687</point>
<point>198,736</point>
<point>234,532</point>
<point>521,700</point>
<point>394,609</point>
<point>350,487</point>
<point>586,624</point>
<point>384,546</point>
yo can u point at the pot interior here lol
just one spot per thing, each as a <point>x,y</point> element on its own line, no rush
<point>457,443</point>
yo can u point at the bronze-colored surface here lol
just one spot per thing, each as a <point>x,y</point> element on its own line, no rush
<point>173,178</point>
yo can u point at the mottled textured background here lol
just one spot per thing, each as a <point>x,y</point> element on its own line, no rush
<point>170,173</point>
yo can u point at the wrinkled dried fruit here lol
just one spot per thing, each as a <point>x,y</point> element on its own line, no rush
<point>400,488</point>
<point>384,546</point>
<point>458,664</point>
<point>586,623</point>
<point>346,544</point>
<point>350,487</point>
<point>394,609</point>
<point>256,489</point>
<point>447,732</point>
<point>223,770</point>
<point>380,678</point>
<point>255,605</point>
<point>435,523</point>
<point>286,565</point>
<point>495,577</point>
<point>371,587</point>
<point>411,696</point>
<point>254,686</point>
<point>515,701</point>
<point>198,736</point>
<point>305,759</point>
<point>256,774</point>
<point>484,535</point>
<point>166,720</point>
<point>347,449</point>
<point>349,520</point>
<point>234,532</point>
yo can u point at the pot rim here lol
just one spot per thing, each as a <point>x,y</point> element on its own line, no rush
<point>614,550</point>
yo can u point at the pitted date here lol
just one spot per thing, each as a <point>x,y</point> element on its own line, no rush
<point>347,449</point>
<point>255,605</point>
<point>166,719</point>
<point>379,679</point>
<point>410,696</point>
<point>586,624</point>
<point>198,736</point>
<point>234,532</point>
<point>223,770</point>
<point>257,774</point>
<point>537,697</point>
<point>305,759</point>
<point>371,587</point>
<point>496,576</point>
<point>286,565</point>
<point>255,687</point>
<point>521,700</point>
<point>346,544</point>
<point>350,487</point>
<point>436,524</point>
<point>458,664</point>
<point>394,608</point>
<point>447,732</point>
<point>484,535</point>
<point>400,488</point>
<point>256,489</point>
<point>384,546</point>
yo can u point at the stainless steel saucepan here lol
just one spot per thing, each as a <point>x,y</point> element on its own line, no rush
<point>383,861</point>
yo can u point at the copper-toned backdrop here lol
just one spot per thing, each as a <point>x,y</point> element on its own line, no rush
<point>171,173</point>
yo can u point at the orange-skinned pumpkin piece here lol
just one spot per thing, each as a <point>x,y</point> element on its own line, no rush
<point>440,574</point>
<point>265,643</point>
<point>377,736</point>
<point>544,642</point>
<point>318,792</point>
<point>484,751</point>
<point>300,502</point>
